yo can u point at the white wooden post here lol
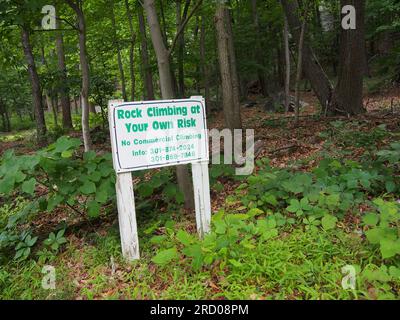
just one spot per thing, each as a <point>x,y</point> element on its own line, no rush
<point>201,187</point>
<point>125,204</point>
<point>127,216</point>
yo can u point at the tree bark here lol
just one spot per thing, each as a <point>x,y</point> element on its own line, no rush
<point>312,69</point>
<point>119,58</point>
<point>287,64</point>
<point>348,95</point>
<point>232,57</point>
<point>148,77</point>
<point>258,48</point>
<point>131,50</point>
<point>230,103</point>
<point>180,18</point>
<point>36,90</point>
<point>203,61</point>
<point>85,74</point>
<point>64,92</point>
<point>184,181</point>
<point>299,70</point>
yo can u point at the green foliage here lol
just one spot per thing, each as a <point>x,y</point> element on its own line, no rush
<point>384,228</point>
<point>54,241</point>
<point>23,248</point>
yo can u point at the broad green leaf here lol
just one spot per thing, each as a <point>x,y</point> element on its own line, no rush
<point>389,248</point>
<point>166,256</point>
<point>329,222</point>
<point>371,219</point>
<point>93,209</point>
<point>184,238</point>
<point>88,188</point>
<point>7,184</point>
<point>29,186</point>
<point>101,196</point>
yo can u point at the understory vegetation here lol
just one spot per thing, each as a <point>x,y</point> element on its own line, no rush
<point>282,233</point>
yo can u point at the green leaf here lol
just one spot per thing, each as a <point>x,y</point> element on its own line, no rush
<point>29,186</point>
<point>60,233</point>
<point>390,186</point>
<point>166,256</point>
<point>184,238</point>
<point>54,201</point>
<point>65,143</point>
<point>294,206</point>
<point>101,196</point>
<point>158,239</point>
<point>389,248</point>
<point>329,222</point>
<point>235,263</point>
<point>67,153</point>
<point>220,226</point>
<point>31,241</point>
<point>195,251</point>
<point>7,184</point>
<point>145,190</point>
<point>371,219</point>
<point>88,188</point>
<point>93,209</point>
<point>394,272</point>
<point>95,176</point>
<point>89,156</point>
<point>304,204</point>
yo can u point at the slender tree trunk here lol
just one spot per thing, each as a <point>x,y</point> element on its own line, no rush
<point>64,92</point>
<point>258,48</point>
<point>54,108</point>
<point>203,62</point>
<point>85,74</point>
<point>299,70</point>
<point>181,45</point>
<point>119,58</point>
<point>232,59</point>
<point>312,69</point>
<point>287,65</point>
<point>76,105</point>
<point>148,77</point>
<point>36,90</point>
<point>184,181</point>
<point>348,95</point>
<point>230,105</point>
<point>131,50</point>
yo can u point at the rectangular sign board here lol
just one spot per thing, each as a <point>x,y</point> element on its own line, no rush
<point>153,134</point>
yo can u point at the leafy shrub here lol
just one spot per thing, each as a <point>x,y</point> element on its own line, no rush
<point>384,227</point>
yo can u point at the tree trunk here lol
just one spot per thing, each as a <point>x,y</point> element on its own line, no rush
<point>230,103</point>
<point>36,90</point>
<point>54,107</point>
<point>181,45</point>
<point>119,58</point>
<point>76,105</point>
<point>232,57</point>
<point>312,69</point>
<point>184,181</point>
<point>85,74</point>
<point>287,64</point>
<point>299,70</point>
<point>64,92</point>
<point>258,48</point>
<point>148,77</point>
<point>131,50</point>
<point>348,95</point>
<point>203,61</point>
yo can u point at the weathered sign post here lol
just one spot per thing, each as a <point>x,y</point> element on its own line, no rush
<point>154,134</point>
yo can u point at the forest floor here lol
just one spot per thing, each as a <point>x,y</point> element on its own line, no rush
<point>298,263</point>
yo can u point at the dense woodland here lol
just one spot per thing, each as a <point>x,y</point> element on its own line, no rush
<point>319,86</point>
